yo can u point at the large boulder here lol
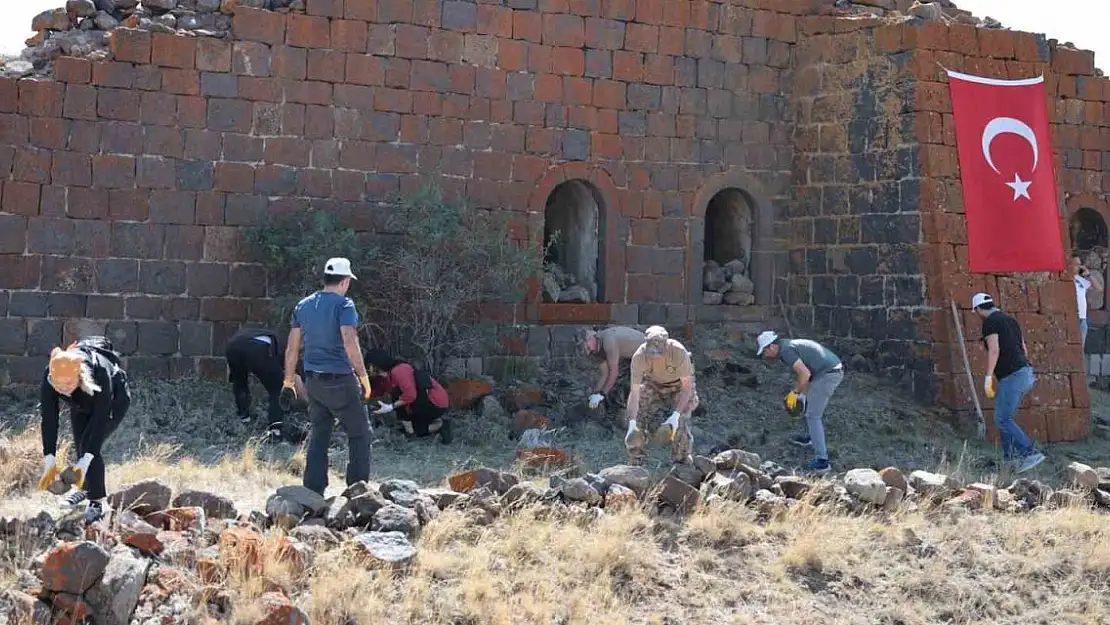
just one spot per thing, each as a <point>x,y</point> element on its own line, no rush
<point>114,597</point>
<point>142,498</point>
<point>401,492</point>
<point>74,567</point>
<point>679,495</point>
<point>637,479</point>
<point>894,478</point>
<point>137,533</point>
<point>932,483</point>
<point>734,487</point>
<point>620,498</point>
<point>496,481</point>
<point>388,549</point>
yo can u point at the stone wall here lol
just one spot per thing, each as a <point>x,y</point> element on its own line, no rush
<point>127,182</point>
<point>855,274</point>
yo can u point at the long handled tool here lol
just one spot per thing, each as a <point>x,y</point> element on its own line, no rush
<point>981,430</point>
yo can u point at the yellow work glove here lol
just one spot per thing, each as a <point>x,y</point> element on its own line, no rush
<point>49,472</point>
<point>364,380</point>
<point>988,386</point>
<point>791,401</point>
<point>81,469</point>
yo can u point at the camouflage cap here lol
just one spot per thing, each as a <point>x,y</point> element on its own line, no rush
<point>655,340</point>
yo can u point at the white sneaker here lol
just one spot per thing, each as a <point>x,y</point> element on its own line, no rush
<point>1030,462</point>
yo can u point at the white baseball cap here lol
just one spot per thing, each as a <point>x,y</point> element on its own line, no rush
<point>979,299</point>
<point>764,339</point>
<point>338,267</point>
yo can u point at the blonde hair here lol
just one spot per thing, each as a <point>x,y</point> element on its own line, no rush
<point>85,380</point>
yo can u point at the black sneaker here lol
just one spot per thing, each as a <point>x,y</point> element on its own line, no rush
<point>245,419</point>
<point>445,434</point>
<point>76,498</point>
<point>274,433</point>
<point>94,512</point>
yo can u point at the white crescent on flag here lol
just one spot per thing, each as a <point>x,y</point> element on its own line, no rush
<point>1009,125</point>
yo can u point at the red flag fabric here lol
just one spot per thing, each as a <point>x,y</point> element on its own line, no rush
<point>1007,170</point>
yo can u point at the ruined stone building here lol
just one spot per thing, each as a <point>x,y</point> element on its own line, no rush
<point>805,149</point>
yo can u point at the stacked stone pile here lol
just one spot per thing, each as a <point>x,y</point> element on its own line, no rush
<point>727,284</point>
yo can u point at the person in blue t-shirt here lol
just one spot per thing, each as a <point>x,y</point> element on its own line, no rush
<point>335,378</point>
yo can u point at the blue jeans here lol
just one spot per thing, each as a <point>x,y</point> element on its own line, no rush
<point>1011,390</point>
<point>818,395</point>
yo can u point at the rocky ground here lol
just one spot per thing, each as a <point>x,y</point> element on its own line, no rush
<point>210,525</point>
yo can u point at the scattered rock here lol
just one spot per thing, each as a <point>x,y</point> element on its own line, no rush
<point>139,534</point>
<point>142,498</point>
<point>792,486</point>
<point>394,518</point>
<point>279,610</point>
<point>894,478</point>
<point>178,519</point>
<point>442,497</point>
<point>401,492</point>
<point>688,473</point>
<point>713,279</point>
<point>620,498</point>
<point>931,483</point>
<point>17,608</point>
<point>638,479</point>
<point>74,567</point>
<point>208,6</point>
<point>315,535</point>
<point>52,19</point>
<point>160,5</point>
<point>483,477</point>
<point>391,549</point>
<point>363,502</point>
<point>524,420</point>
<point>70,607</point>
<point>894,496</point>
<point>104,21</point>
<point>711,298</point>
<point>524,397</point>
<point>866,484</point>
<point>930,11</point>
<point>1067,499</point>
<point>492,411</point>
<point>679,495</point>
<point>1083,477</point>
<point>578,489</point>
<point>735,487</point>
<point>214,506</point>
<point>240,548</point>
<point>466,393</point>
<point>522,494</point>
<point>734,458</point>
<point>704,464</point>
<point>114,597</point>
<point>18,69</point>
<point>967,500</point>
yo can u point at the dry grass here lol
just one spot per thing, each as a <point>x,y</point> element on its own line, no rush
<point>720,566</point>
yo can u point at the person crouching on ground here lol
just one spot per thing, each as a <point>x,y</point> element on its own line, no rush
<point>662,379</point>
<point>256,351</point>
<point>335,376</point>
<point>414,395</point>
<point>1007,362</point>
<point>817,374</point>
<point>87,378</point>
<point>610,348</point>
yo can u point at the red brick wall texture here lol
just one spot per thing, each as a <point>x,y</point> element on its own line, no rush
<point>125,183</point>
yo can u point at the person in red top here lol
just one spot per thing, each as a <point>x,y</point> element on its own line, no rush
<point>417,398</point>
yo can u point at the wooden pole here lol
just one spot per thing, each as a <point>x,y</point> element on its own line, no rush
<point>981,430</point>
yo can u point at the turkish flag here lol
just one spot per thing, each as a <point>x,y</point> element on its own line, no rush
<point>1007,170</point>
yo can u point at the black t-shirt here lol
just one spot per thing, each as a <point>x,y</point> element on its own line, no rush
<point>1011,353</point>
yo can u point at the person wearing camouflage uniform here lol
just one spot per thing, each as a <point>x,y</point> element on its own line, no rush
<point>662,379</point>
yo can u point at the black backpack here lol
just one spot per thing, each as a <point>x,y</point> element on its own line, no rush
<point>98,345</point>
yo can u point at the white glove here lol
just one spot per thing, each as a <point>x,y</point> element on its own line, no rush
<point>673,422</point>
<point>631,427</point>
<point>595,400</point>
<point>82,469</point>
<point>48,462</point>
<point>384,408</point>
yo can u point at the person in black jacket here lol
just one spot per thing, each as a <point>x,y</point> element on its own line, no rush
<point>256,350</point>
<point>86,377</point>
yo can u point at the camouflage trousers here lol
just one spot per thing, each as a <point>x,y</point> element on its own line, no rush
<point>656,405</point>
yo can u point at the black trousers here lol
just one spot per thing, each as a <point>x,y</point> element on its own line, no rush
<point>421,413</point>
<point>246,356</point>
<point>91,430</point>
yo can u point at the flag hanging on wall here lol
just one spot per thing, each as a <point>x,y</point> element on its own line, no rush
<point>1007,171</point>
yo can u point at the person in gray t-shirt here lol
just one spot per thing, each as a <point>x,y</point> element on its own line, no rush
<point>818,371</point>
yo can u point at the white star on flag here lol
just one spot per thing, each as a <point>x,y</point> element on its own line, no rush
<point>1020,187</point>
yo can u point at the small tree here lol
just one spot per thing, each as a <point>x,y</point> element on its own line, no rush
<point>420,278</point>
<point>446,259</point>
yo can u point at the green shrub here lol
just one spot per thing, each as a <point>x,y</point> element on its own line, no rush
<point>420,277</point>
